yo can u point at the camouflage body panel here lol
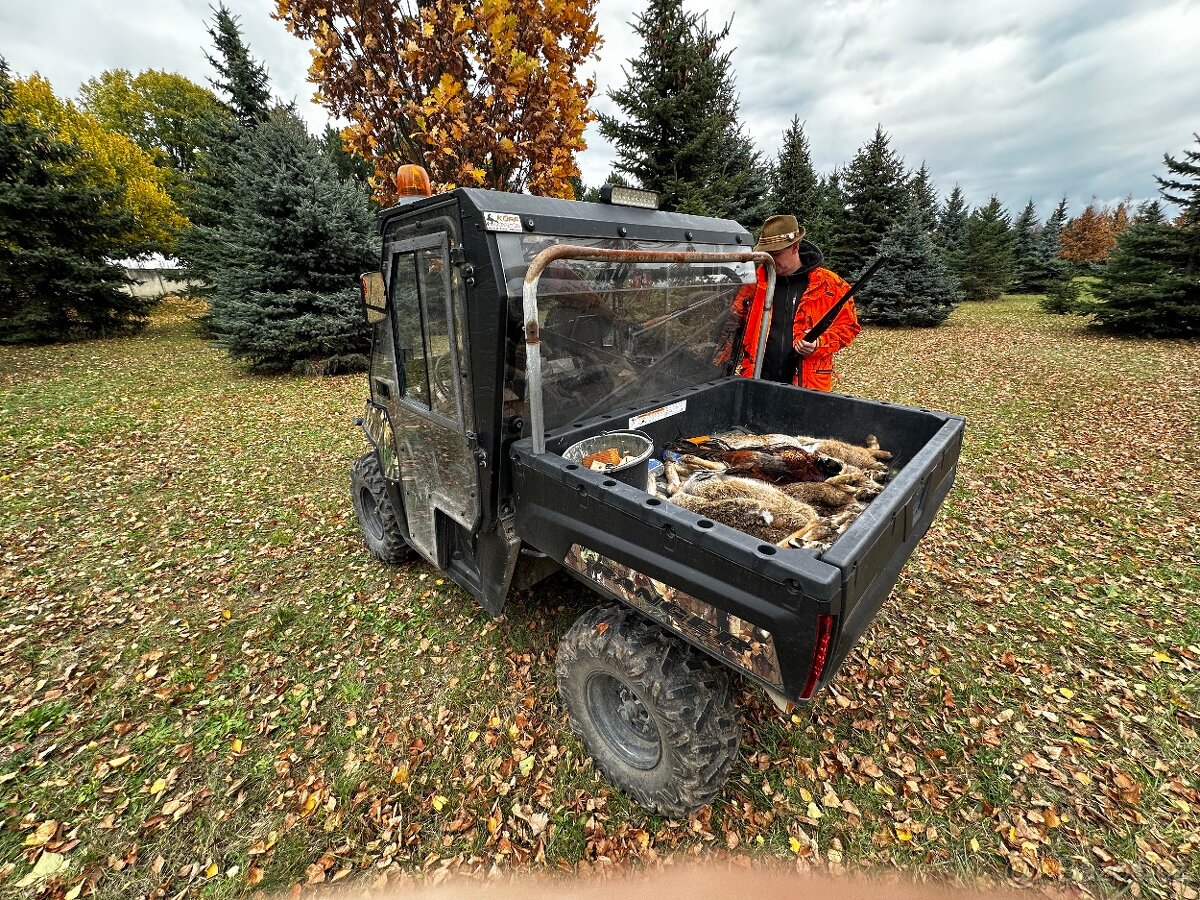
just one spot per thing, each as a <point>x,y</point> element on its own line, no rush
<point>378,428</point>
<point>741,643</point>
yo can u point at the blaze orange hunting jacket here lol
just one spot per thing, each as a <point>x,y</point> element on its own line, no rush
<point>824,290</point>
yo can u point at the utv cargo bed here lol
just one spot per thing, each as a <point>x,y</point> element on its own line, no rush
<point>785,617</point>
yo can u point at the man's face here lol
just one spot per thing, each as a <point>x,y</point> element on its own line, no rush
<point>787,261</point>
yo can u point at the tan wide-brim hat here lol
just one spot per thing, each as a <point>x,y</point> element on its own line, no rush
<point>779,233</point>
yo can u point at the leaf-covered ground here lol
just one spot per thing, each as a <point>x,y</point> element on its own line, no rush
<point>207,685</point>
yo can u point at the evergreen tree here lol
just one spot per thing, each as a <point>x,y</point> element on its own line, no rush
<point>795,187</point>
<point>877,196</point>
<point>244,81</point>
<point>823,228</point>
<point>952,230</point>
<point>1151,285</point>
<point>1182,187</point>
<point>988,257</point>
<point>281,263</point>
<point>240,77</point>
<point>1052,231</point>
<point>57,232</point>
<point>680,134</point>
<point>914,287</point>
<point>739,185</point>
<point>1145,288</point>
<point>1027,251</point>
<point>924,197</point>
<point>1049,273</point>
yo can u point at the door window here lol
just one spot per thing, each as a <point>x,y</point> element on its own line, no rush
<point>411,352</point>
<point>431,271</point>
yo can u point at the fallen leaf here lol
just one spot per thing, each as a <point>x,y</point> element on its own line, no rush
<point>47,865</point>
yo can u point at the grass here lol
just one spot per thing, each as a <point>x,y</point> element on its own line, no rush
<point>208,686</point>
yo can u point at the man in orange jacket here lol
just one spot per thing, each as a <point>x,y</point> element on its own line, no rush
<point>804,292</point>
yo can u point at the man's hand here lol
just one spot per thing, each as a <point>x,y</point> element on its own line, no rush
<point>806,348</point>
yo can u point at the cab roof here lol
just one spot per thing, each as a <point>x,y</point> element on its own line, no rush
<point>554,216</point>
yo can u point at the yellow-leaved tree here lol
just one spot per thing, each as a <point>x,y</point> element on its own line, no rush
<point>483,93</point>
<point>116,165</point>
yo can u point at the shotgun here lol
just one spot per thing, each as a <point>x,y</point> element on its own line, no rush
<point>826,320</point>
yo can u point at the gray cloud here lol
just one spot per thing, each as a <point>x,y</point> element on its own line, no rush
<point>80,39</point>
<point>1022,98</point>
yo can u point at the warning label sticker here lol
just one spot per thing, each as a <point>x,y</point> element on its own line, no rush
<point>657,415</point>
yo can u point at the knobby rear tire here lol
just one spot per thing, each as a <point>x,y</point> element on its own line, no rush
<point>630,687</point>
<point>376,517</point>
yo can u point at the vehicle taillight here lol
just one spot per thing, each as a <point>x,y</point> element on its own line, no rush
<point>820,654</point>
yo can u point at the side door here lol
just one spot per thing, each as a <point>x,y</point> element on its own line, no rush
<point>432,416</point>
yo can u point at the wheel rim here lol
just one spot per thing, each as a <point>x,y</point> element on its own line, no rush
<point>623,721</point>
<point>372,521</point>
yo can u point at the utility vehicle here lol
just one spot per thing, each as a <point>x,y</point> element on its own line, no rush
<point>508,328</point>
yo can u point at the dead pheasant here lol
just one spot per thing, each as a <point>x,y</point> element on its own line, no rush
<point>790,465</point>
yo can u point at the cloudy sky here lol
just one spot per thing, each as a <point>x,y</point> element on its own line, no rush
<point>1022,98</point>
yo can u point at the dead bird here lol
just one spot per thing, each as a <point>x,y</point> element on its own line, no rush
<point>741,440</point>
<point>869,458</point>
<point>789,465</point>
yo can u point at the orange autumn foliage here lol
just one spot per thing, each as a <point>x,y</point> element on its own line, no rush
<point>483,93</point>
<point>1091,236</point>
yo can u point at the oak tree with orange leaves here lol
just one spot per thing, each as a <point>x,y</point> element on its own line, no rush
<point>483,93</point>
<point>1091,236</point>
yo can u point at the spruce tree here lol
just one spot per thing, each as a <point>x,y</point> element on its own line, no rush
<point>1027,251</point>
<point>1052,231</point>
<point>1051,274</point>
<point>1183,188</point>
<point>823,228</point>
<point>795,187</point>
<point>951,236</point>
<point>1145,289</point>
<point>924,197</point>
<point>243,80</point>
<point>914,286</point>
<point>58,232</point>
<point>240,77</point>
<point>988,256</point>
<point>281,263</point>
<point>1151,285</point>
<point>739,185</point>
<point>680,134</point>
<point>876,191</point>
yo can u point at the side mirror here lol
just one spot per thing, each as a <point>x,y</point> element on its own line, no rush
<point>374,296</point>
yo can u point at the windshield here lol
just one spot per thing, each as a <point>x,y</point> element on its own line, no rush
<point>618,333</point>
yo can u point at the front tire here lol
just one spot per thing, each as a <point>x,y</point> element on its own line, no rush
<point>376,517</point>
<point>657,717</point>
